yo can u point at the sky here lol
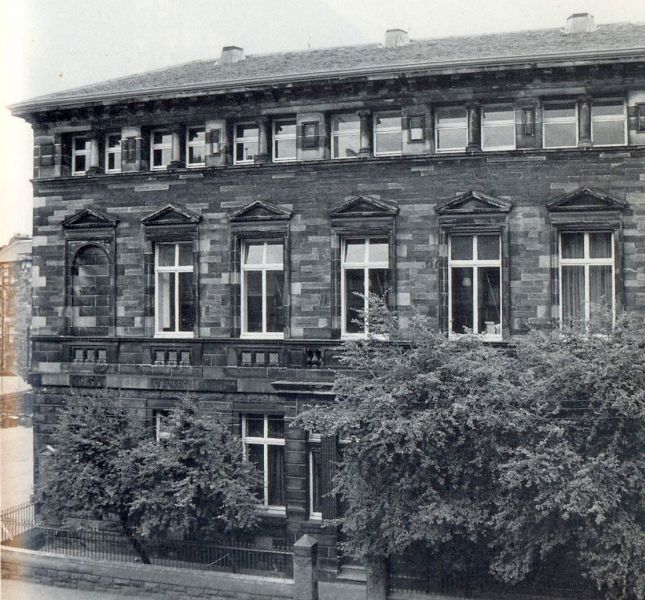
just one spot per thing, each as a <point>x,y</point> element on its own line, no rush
<point>51,45</point>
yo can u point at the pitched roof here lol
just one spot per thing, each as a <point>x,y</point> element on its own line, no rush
<point>608,40</point>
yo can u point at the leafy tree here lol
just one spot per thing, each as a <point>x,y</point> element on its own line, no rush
<point>107,468</point>
<point>196,483</point>
<point>493,458</point>
<point>83,479</point>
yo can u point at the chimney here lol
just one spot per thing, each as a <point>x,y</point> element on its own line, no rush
<point>580,23</point>
<point>396,37</point>
<point>231,54</point>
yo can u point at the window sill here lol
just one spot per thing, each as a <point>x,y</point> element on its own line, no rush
<point>174,334</point>
<point>272,511</point>
<point>498,337</point>
<point>262,336</point>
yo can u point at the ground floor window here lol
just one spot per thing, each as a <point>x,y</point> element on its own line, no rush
<point>475,281</point>
<point>315,477</point>
<point>586,276</point>
<point>263,439</point>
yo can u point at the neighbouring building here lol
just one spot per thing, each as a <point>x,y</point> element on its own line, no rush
<point>15,306</point>
<point>205,227</point>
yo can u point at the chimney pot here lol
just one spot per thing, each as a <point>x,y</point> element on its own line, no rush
<point>231,54</point>
<point>580,23</point>
<point>396,37</point>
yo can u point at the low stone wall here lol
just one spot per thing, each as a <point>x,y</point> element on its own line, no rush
<point>168,583</point>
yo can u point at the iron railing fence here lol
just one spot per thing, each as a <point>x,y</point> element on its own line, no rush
<point>232,556</point>
<point>416,572</point>
<point>16,520</point>
<point>225,554</point>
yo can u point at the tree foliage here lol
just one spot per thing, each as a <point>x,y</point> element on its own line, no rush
<point>196,482</point>
<point>494,457</point>
<point>106,467</point>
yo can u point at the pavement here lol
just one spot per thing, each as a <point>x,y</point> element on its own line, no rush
<point>12,589</point>
<point>16,465</point>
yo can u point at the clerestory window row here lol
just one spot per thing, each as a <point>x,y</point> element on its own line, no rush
<point>442,129</point>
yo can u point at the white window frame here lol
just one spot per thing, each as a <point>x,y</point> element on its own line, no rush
<point>116,151</point>
<point>176,268</point>
<point>315,441</point>
<point>250,139</point>
<point>192,144</point>
<point>587,262</point>
<point>559,120</point>
<point>366,265</point>
<point>277,137</point>
<point>610,119</point>
<point>161,146</point>
<point>475,263</point>
<point>265,441</point>
<point>85,153</point>
<point>342,134</point>
<point>160,434</point>
<point>264,267</point>
<point>490,124</point>
<point>390,129</point>
<point>439,127</point>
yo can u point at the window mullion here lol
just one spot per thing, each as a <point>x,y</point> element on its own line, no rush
<point>475,300</point>
<point>264,300</point>
<point>366,301</point>
<point>266,474</point>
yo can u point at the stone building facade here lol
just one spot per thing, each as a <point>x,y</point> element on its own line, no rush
<point>15,306</point>
<point>204,228</point>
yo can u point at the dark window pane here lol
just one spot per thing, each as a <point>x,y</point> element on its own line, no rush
<point>488,302</point>
<point>256,458</point>
<point>255,425</point>
<point>378,282</point>
<point>275,301</point>
<point>111,161</point>
<point>573,294</point>
<point>186,302</point>
<point>185,255</point>
<point>600,294</point>
<point>276,427</point>
<point>600,245</point>
<point>239,151</point>
<point>253,301</point>
<point>285,128</point>
<point>354,290</point>
<point>462,299</point>
<point>157,158</point>
<point>487,247</point>
<point>79,164</point>
<point>166,295</point>
<point>196,135</point>
<point>79,143</point>
<point>316,478</point>
<point>196,154</point>
<point>461,247</point>
<point>276,476</point>
<point>573,245</point>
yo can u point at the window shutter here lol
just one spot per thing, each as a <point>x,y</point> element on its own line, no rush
<point>528,122</point>
<point>310,134</point>
<point>130,153</point>
<point>415,125</point>
<point>640,117</point>
<point>47,154</point>
<point>329,458</point>
<point>213,141</point>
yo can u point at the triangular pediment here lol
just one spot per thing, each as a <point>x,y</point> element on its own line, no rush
<point>171,214</point>
<point>585,199</point>
<point>260,210</point>
<point>474,202</point>
<point>365,206</point>
<point>88,218</point>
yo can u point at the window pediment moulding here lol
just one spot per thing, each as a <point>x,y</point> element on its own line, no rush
<point>586,207</point>
<point>89,218</point>
<point>171,222</point>
<point>474,210</point>
<point>361,207</point>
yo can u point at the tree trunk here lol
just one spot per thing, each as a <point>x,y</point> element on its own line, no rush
<point>136,544</point>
